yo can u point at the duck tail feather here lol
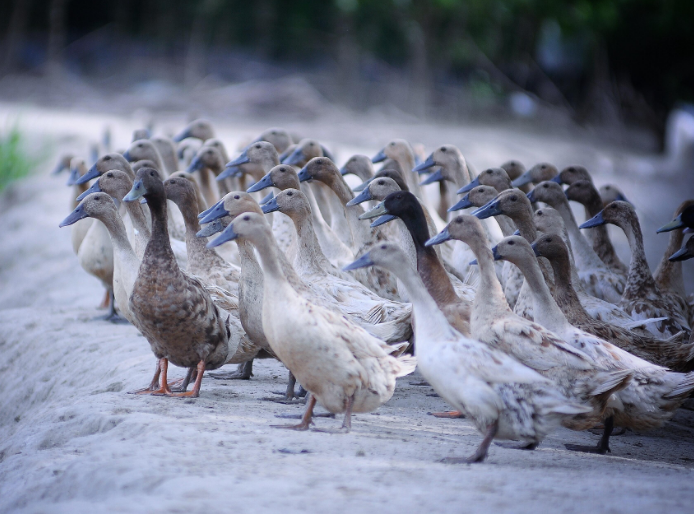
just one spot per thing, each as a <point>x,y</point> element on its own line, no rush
<point>684,388</point>
<point>407,365</point>
<point>611,382</point>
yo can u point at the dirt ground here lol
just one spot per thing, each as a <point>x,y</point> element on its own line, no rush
<point>73,440</point>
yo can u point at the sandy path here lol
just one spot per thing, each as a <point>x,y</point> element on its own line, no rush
<point>72,440</point>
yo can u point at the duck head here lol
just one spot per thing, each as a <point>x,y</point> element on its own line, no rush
<point>245,226</point>
<point>494,177</point>
<point>207,157</point>
<point>199,129</point>
<point>304,151</point>
<point>538,173</point>
<point>384,255</point>
<point>548,221</point>
<point>148,184</point>
<point>547,192</point>
<point>115,183</point>
<point>610,193</point>
<point>110,161</point>
<point>233,204</point>
<point>514,249</point>
<point>684,253</point>
<point>476,197</point>
<point>572,174</point>
<point>583,192</point>
<point>398,150</point>
<point>282,177</point>
<point>684,218</point>
<point>142,149</point>
<point>320,168</point>
<point>378,189</point>
<point>95,205</point>
<point>463,227</point>
<point>401,204</point>
<point>550,246</point>
<point>617,213</point>
<point>63,164</point>
<point>291,202</point>
<point>181,191</point>
<point>359,165</point>
<point>512,203</point>
<point>278,137</point>
<point>513,169</point>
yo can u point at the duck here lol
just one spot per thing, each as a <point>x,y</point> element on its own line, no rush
<point>648,400</point>
<point>576,374</point>
<point>174,311</point>
<point>539,173</point>
<point>255,160</point>
<point>279,137</point>
<point>503,398</point>
<point>611,193</point>
<point>208,163</point>
<point>584,192</point>
<point>453,301</point>
<point>674,353</point>
<point>400,150</point>
<point>202,204</point>
<point>515,169</point>
<point>641,298</point>
<point>80,228</point>
<point>198,129</point>
<point>343,367</point>
<point>145,149</point>
<point>283,177</point>
<point>684,253</point>
<point>224,185</point>
<point>359,165</point>
<point>597,279</point>
<point>324,170</point>
<point>494,177</point>
<point>167,152</point>
<point>684,219</point>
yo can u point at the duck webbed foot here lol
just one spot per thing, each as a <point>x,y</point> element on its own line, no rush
<point>154,384</point>
<point>603,446</point>
<point>481,452</point>
<point>181,385</point>
<point>112,315</point>
<point>449,414</point>
<point>346,423</point>
<point>305,419</point>
<point>195,392</point>
<point>244,371</point>
<point>154,388</point>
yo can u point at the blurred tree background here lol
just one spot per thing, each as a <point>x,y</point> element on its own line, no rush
<point>600,61</point>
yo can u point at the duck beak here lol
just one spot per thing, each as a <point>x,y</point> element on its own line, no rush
<point>525,178</point>
<point>680,255</point>
<point>294,158</point>
<point>473,262</point>
<point>364,196</point>
<point>216,212</point>
<point>227,235</point>
<point>496,255</point>
<point>74,216</point>
<point>136,192</point>
<point>362,262</point>
<point>595,221</point>
<point>621,198</point>
<point>534,247</point>
<point>266,198</point>
<point>344,171</point>
<point>673,225</point>
<point>531,196</point>
<point>556,179</point>
<point>91,173</point>
<point>439,238</point>
<point>229,171</point>
<point>127,156</point>
<point>182,135</point>
<point>263,183</point>
<point>437,176</point>
<point>470,186</point>
<point>304,174</point>
<point>60,167</point>
<point>326,153</point>
<point>379,157</point>
<point>208,210</point>
<point>463,203</point>
<point>421,168</point>
<point>489,210</point>
<point>210,229</point>
<point>271,206</point>
<point>241,159</point>
<point>379,210</point>
<point>94,189</point>
<point>382,220</point>
<point>195,164</point>
<point>73,178</point>
<point>516,233</point>
<point>363,185</point>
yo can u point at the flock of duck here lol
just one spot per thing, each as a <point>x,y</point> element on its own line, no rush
<point>515,316</point>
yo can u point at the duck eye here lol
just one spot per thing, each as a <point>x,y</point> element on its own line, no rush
<point>236,197</point>
<point>109,174</point>
<point>273,133</point>
<point>107,158</point>
<point>246,218</point>
<point>443,148</point>
<point>257,146</point>
<point>514,198</point>
<point>290,194</point>
<point>151,173</point>
<point>539,213</point>
<point>311,144</point>
<point>545,186</point>
<point>380,182</point>
<point>383,247</point>
<point>543,167</point>
<point>392,144</point>
<point>511,243</point>
<point>283,170</point>
<point>459,220</point>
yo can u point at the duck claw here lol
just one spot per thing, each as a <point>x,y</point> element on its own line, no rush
<point>449,414</point>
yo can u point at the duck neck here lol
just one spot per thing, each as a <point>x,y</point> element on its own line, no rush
<point>525,225</point>
<point>564,292</point>
<point>489,290</point>
<point>639,280</point>
<point>458,171</point>
<point>505,224</point>
<point>668,275</point>
<point>138,218</point>
<point>274,280</point>
<point>159,245</point>
<point>119,236</point>
<point>583,251</point>
<point>195,246</point>
<point>545,310</point>
<point>309,258</point>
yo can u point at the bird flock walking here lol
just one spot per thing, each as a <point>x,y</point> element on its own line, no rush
<point>520,318</point>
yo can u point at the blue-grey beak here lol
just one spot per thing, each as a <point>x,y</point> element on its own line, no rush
<point>534,247</point>
<point>463,203</point>
<point>241,159</point>
<point>210,229</point>
<point>266,198</point>
<point>439,238</point>
<point>595,221</point>
<point>182,135</point>
<point>138,190</point>
<point>73,177</point>
<point>304,175</point>
<point>363,185</point>
<point>60,167</point>
<point>208,210</point>
<point>516,233</point>
<point>437,176</point>
<point>496,255</point>
<point>364,196</point>
<point>264,182</point>
<point>421,168</point>
<point>379,210</point>
<point>344,171</point>
<point>681,255</point>
<point>487,211</point>
<point>271,206</point>
<point>74,216</point>
<point>94,189</point>
<point>621,198</point>
<point>195,164</point>
<point>362,262</point>
<point>557,179</point>
<point>525,178</point>
<point>229,171</point>
<point>216,212</point>
<point>91,173</point>
<point>473,262</point>
<point>531,196</point>
<point>227,235</point>
<point>382,220</point>
<point>379,157</point>
<point>295,157</point>
<point>470,186</point>
<point>127,156</point>
<point>673,225</point>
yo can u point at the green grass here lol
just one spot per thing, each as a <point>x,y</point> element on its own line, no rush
<point>15,162</point>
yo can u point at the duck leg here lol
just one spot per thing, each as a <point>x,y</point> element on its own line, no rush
<point>306,419</point>
<point>449,414</point>
<point>481,452</point>
<point>106,301</point>
<point>154,384</point>
<point>180,385</point>
<point>346,423</point>
<point>603,446</point>
<point>195,392</point>
<point>164,389</point>
<point>289,396</point>
<point>112,315</point>
<point>244,371</point>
